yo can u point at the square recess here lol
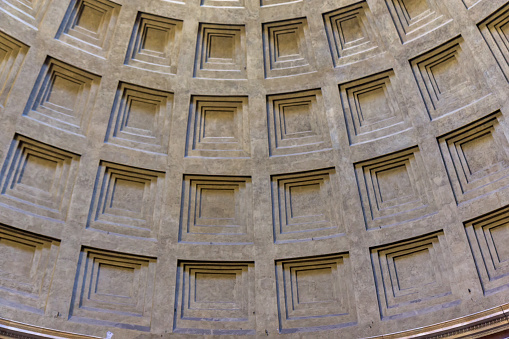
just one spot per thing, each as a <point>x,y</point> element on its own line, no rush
<point>218,127</point>
<point>113,289</point>
<point>63,97</point>
<point>12,55</point>
<point>215,298</point>
<point>448,78</point>
<point>89,25</point>
<point>297,123</point>
<point>127,201</point>
<point>315,294</point>
<point>302,206</point>
<point>476,159</point>
<point>140,119</point>
<point>351,35</point>
<point>495,30</point>
<point>394,189</point>
<point>216,210</point>
<point>38,179</point>
<point>27,263</point>
<point>416,18</point>
<point>155,44</point>
<point>372,108</point>
<point>488,236</point>
<point>30,12</point>
<point>413,277</point>
<point>221,52</point>
<point>285,45</point>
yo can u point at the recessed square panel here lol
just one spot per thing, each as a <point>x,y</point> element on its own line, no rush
<point>372,107</point>
<point>286,48</point>
<point>488,236</point>
<point>126,201</point>
<point>476,159</point>
<point>301,198</point>
<point>415,8</point>
<point>36,167</point>
<point>140,119</point>
<point>63,97</point>
<point>221,47</point>
<point>126,192</point>
<point>302,206</point>
<point>215,288</point>
<point>500,235</point>
<point>314,294</point>
<point>30,12</point>
<point>221,52</point>
<point>27,263</point>
<point>443,72</point>
<point>90,18</point>
<point>416,18</point>
<point>89,25</point>
<point>296,119</point>
<point>351,35</point>
<point>413,269</point>
<point>114,289</point>
<point>155,44</point>
<point>413,277</point>
<point>219,124</point>
<point>142,114</point>
<point>115,280</point>
<point>215,298</point>
<point>218,128</point>
<point>352,29</point>
<point>12,55</point>
<point>64,92</point>
<point>297,123</point>
<point>495,30</point>
<point>17,257</point>
<point>394,188</point>
<point>480,153</point>
<point>393,183</point>
<point>448,78</point>
<point>216,210</point>
<point>287,43</point>
<point>155,39</point>
<point>38,179</point>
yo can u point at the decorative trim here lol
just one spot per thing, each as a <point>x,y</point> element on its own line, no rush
<point>477,325</point>
<point>14,329</point>
<point>491,321</point>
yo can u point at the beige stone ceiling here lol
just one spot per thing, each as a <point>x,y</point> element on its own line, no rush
<point>272,168</point>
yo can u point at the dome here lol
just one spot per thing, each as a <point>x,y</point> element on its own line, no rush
<point>254,168</point>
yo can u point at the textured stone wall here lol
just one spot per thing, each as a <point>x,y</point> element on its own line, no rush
<point>253,167</point>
